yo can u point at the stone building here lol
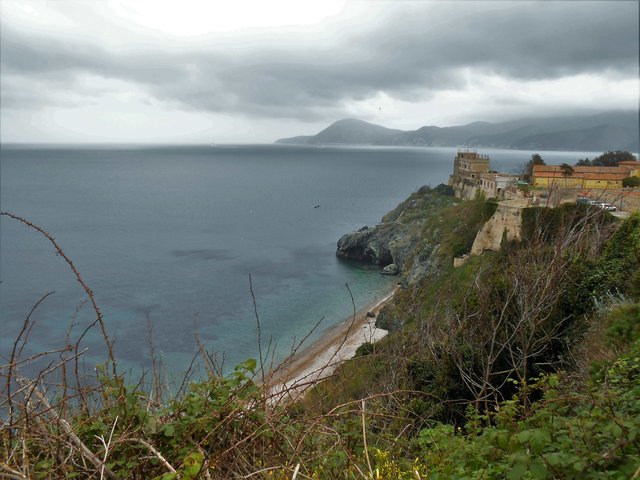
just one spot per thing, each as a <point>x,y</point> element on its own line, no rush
<point>472,175</point>
<point>494,184</point>
<point>469,164</point>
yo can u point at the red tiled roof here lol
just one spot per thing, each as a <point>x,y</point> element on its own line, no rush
<point>576,170</point>
<point>605,176</point>
<point>587,176</point>
<point>588,173</point>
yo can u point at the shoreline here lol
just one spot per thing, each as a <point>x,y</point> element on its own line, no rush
<point>320,359</point>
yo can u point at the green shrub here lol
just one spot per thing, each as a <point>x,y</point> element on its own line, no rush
<point>623,325</point>
<point>365,349</point>
<point>631,182</point>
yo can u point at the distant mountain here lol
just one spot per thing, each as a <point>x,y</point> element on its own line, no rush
<point>607,131</point>
<point>349,132</point>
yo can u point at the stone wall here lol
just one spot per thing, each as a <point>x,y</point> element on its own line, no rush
<point>464,189</point>
<point>506,223</point>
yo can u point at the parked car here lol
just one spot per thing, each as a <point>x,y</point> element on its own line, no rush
<point>607,206</point>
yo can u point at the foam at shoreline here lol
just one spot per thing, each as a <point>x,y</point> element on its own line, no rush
<point>319,360</point>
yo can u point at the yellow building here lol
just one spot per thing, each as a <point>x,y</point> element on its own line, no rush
<point>583,177</point>
<point>634,168</point>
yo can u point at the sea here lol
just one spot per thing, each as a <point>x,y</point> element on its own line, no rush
<point>210,247</point>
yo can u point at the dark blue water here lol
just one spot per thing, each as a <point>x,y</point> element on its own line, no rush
<point>169,236</point>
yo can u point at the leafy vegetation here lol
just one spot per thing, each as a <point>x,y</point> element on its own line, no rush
<point>536,159</point>
<point>566,169</point>
<point>523,363</point>
<point>489,337</point>
<point>608,159</point>
<point>631,182</point>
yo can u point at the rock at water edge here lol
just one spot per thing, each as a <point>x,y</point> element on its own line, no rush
<point>391,269</point>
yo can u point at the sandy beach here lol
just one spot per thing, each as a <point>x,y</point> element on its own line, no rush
<point>320,359</point>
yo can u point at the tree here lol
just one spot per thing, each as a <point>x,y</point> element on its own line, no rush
<point>536,159</point>
<point>612,158</point>
<point>631,182</point>
<point>567,171</point>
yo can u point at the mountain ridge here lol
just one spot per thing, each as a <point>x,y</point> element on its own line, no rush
<point>605,131</point>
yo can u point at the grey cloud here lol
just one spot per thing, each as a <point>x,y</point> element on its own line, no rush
<point>411,52</point>
<point>19,92</point>
<point>56,57</point>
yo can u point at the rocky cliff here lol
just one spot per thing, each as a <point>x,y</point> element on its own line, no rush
<point>371,245</point>
<point>505,224</point>
<point>423,236</point>
<point>394,240</point>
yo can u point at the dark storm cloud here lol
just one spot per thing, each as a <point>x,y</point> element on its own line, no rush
<point>411,52</point>
<point>530,41</point>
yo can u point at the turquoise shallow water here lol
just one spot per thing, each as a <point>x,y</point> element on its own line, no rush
<point>168,236</point>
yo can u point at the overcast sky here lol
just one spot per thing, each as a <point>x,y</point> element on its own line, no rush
<point>233,71</point>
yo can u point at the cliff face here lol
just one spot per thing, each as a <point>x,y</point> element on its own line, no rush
<point>370,244</point>
<point>423,236</point>
<point>385,244</point>
<point>395,239</point>
<point>505,224</point>
<point>465,190</point>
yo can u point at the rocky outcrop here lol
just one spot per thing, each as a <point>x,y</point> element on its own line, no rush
<point>464,189</point>
<point>458,262</point>
<point>399,239</point>
<point>368,244</point>
<point>391,269</point>
<point>385,244</point>
<point>504,225</point>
